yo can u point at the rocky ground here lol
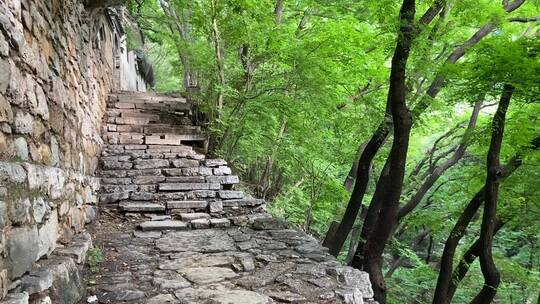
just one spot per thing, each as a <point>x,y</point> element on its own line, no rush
<point>266,263</point>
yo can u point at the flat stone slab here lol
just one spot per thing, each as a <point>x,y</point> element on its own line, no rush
<point>206,275</point>
<point>188,186</point>
<point>187,204</point>
<point>163,225</point>
<point>141,207</point>
<point>194,216</point>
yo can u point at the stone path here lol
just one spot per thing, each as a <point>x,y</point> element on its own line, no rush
<point>178,231</point>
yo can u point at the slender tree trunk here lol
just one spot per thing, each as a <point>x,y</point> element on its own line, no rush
<point>376,142</point>
<point>278,11</point>
<point>216,39</point>
<point>353,244</point>
<point>359,190</point>
<point>458,231</point>
<point>402,121</point>
<point>494,173</point>
<point>351,177</point>
<point>463,266</point>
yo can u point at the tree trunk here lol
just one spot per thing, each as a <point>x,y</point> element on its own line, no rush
<point>278,11</point>
<point>219,57</point>
<point>371,149</point>
<point>494,173</point>
<point>458,231</point>
<point>463,265</point>
<point>402,121</point>
<point>350,179</point>
<point>359,190</point>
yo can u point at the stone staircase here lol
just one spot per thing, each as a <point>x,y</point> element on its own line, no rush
<point>163,190</point>
<point>154,163</point>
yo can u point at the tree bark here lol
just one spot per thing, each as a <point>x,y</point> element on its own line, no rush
<point>402,121</point>
<point>463,266</point>
<point>364,163</point>
<point>218,56</point>
<point>458,231</point>
<point>494,171</point>
<point>278,11</point>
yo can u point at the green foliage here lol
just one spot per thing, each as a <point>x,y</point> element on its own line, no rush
<point>94,257</point>
<point>294,116</point>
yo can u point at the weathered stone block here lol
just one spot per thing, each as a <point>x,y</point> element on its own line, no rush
<point>19,211</point>
<point>142,196</point>
<point>141,207</point>
<point>222,170</point>
<point>117,165</point>
<point>185,179</point>
<point>24,123</point>
<point>229,194</point>
<point>220,223</point>
<point>21,147</point>
<point>151,163</point>
<point>202,194</point>
<point>48,235</point>
<point>188,186</point>
<point>215,206</point>
<point>6,113</point>
<point>12,172</point>
<point>113,197</point>
<point>194,216</point>
<point>145,180</point>
<point>163,225</point>
<point>116,181</point>
<point>224,179</point>
<point>172,172</point>
<point>184,163</point>
<point>145,172</point>
<point>118,188</point>
<point>197,171</point>
<point>215,162</point>
<point>16,298</point>
<point>23,248</point>
<point>187,204</point>
<point>200,223</point>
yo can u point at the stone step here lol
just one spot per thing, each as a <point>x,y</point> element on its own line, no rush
<point>130,206</point>
<point>187,217</point>
<point>149,116</point>
<point>163,225</point>
<point>247,202</point>
<point>187,204</point>
<point>138,97</point>
<point>173,139</point>
<point>174,129</point>
<point>188,186</point>
<point>152,129</point>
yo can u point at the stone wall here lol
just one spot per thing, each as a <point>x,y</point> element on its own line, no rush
<point>57,58</point>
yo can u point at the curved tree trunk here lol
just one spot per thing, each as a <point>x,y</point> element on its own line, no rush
<point>458,231</point>
<point>402,121</point>
<point>494,173</point>
<point>463,266</point>
<point>372,147</point>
